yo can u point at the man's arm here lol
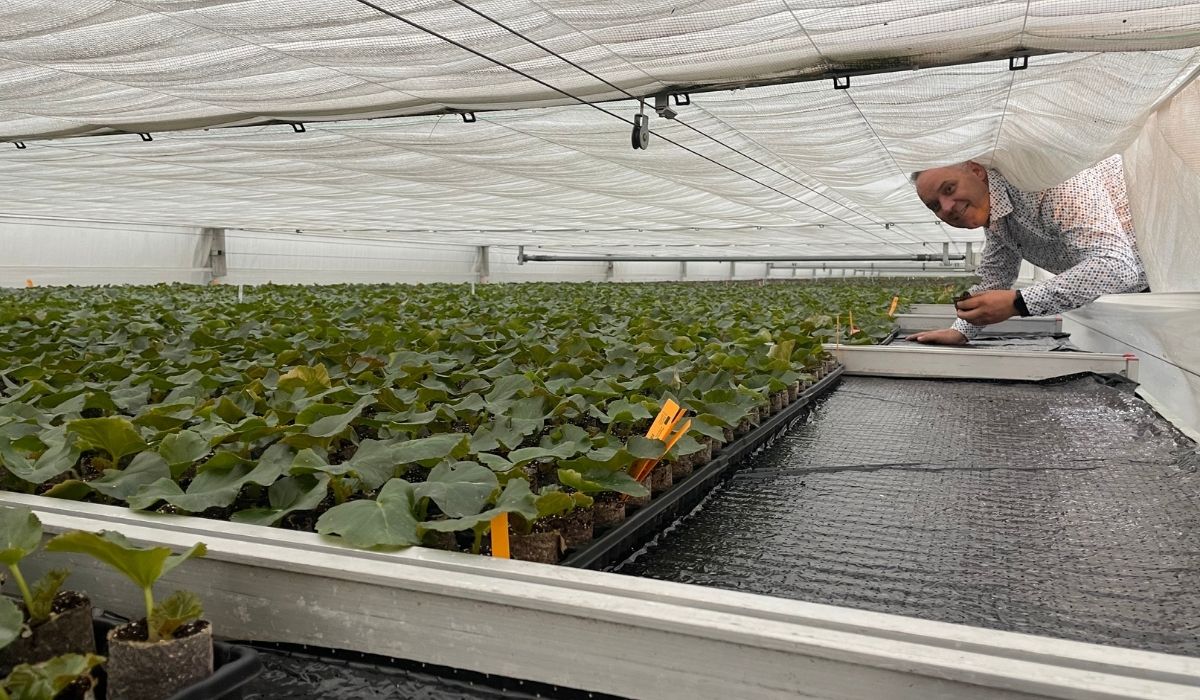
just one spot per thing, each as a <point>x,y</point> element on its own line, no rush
<point>998,269</point>
<point>1091,225</point>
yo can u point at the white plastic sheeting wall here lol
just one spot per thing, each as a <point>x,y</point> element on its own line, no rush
<point>76,252</point>
<point>1163,171</point>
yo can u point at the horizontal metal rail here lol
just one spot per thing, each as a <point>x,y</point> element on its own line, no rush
<point>634,637</point>
<point>523,258</point>
<point>974,363</point>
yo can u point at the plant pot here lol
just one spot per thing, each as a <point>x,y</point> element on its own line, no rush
<point>68,631</point>
<point>607,512</point>
<point>681,467</point>
<point>635,502</point>
<point>660,478</point>
<point>576,528</point>
<point>143,670</point>
<point>703,457</point>
<point>729,435</point>
<point>543,547</point>
<point>794,392</point>
<point>776,402</point>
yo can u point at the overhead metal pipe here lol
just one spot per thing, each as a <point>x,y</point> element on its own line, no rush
<point>867,266</point>
<point>522,258</point>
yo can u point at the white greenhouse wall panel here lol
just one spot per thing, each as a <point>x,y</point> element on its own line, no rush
<point>285,258</point>
<point>54,252</point>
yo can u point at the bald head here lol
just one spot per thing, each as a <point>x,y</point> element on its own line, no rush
<point>957,194</point>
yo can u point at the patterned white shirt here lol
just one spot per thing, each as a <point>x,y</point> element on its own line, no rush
<point>1081,230</point>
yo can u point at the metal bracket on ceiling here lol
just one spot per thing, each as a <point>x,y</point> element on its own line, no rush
<point>298,127</point>
<point>841,82</point>
<point>1018,62</point>
<point>20,145</point>
<point>146,137</point>
<point>467,117</point>
<point>682,99</point>
<point>663,107</point>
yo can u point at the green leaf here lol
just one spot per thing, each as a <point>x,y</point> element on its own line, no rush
<point>114,434</point>
<point>69,490</point>
<point>44,590</point>
<point>11,621</point>
<point>494,462</point>
<point>516,498</point>
<point>600,480</point>
<point>177,610</point>
<point>459,489</point>
<point>553,502</point>
<point>146,468</point>
<point>60,454</point>
<point>389,520</point>
<point>645,448</point>
<point>333,424</point>
<point>46,680</point>
<point>289,494</point>
<point>312,379</point>
<point>183,448</point>
<point>20,534</point>
<point>374,462</point>
<point>428,451</point>
<point>142,565</point>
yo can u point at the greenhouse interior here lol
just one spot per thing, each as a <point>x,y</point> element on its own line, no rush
<point>505,349</point>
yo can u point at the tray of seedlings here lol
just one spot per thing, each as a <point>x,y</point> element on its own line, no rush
<point>393,416</point>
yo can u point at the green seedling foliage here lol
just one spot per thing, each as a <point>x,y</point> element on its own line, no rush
<point>41,602</point>
<point>46,680</point>
<point>11,621</point>
<point>516,498</point>
<point>388,521</point>
<point>458,488</point>
<point>20,535</point>
<point>175,611</point>
<point>286,496</point>
<point>141,565</point>
<point>115,435</point>
<point>174,393</point>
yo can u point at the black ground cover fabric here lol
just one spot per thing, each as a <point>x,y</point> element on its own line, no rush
<point>1068,509</point>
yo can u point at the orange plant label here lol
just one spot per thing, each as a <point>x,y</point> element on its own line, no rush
<point>500,536</point>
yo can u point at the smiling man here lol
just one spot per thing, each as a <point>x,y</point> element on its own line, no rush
<point>1081,230</point>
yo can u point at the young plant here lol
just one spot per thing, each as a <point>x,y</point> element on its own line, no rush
<point>143,566</point>
<point>46,680</point>
<point>20,535</point>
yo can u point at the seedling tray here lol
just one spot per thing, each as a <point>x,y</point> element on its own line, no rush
<point>612,547</point>
<point>234,667</point>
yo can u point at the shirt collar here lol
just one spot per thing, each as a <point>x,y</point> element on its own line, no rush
<point>1000,205</point>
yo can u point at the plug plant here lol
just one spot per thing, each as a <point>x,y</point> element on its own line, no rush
<point>143,566</point>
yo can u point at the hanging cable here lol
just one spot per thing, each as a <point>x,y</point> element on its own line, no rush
<point>702,133</point>
<point>564,93</point>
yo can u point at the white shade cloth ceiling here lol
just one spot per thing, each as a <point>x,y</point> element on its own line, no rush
<point>797,163</point>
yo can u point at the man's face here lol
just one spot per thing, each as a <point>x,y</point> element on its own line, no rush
<point>957,194</point>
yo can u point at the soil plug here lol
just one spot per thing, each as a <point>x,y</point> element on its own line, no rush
<point>53,622</point>
<point>171,648</point>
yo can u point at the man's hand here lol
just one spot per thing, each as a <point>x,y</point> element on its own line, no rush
<point>945,336</point>
<point>987,308</point>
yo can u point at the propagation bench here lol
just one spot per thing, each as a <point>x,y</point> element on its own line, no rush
<point>622,635</point>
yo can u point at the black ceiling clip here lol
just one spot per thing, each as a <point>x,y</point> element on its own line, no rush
<point>841,82</point>
<point>146,137</point>
<point>20,145</point>
<point>1018,62</point>
<point>298,127</point>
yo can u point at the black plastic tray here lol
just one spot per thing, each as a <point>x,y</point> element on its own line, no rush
<point>615,544</point>
<point>234,666</point>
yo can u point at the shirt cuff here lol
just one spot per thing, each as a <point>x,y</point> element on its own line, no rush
<point>970,330</point>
